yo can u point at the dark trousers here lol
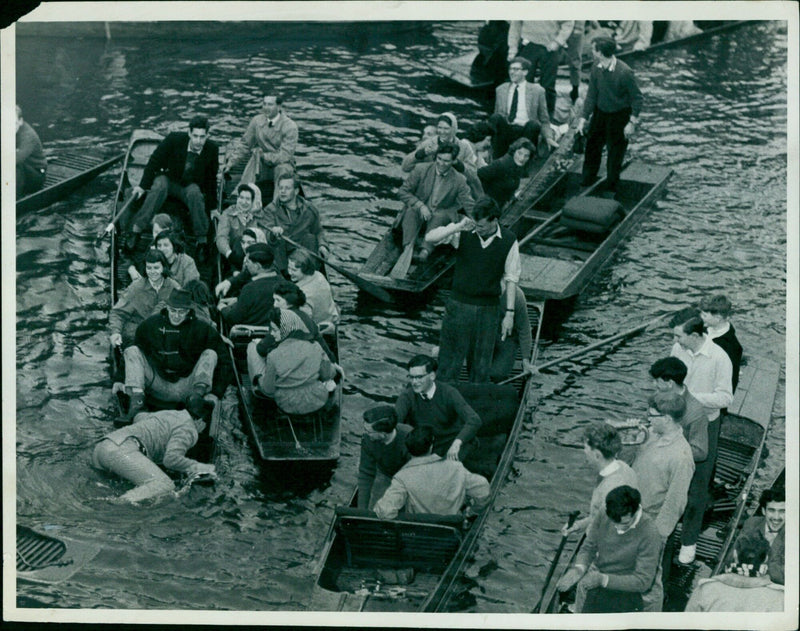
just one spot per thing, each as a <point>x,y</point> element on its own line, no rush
<point>29,180</point>
<point>468,332</point>
<point>190,195</point>
<point>604,600</point>
<point>504,133</point>
<point>547,63</point>
<point>606,129</point>
<point>698,495</point>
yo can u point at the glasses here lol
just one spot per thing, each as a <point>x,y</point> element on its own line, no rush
<point>515,69</point>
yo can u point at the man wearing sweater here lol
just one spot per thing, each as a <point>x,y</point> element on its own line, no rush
<point>383,453</point>
<point>540,42</point>
<point>486,254</point>
<point>715,312</point>
<point>31,163</point>
<point>664,467</point>
<point>617,562</point>
<point>255,302</point>
<point>614,102</point>
<point>428,402</point>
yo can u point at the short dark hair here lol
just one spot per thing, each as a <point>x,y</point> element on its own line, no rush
<point>250,233</point>
<point>245,188</point>
<point>260,254</point>
<point>198,122</point>
<point>684,315</point>
<point>719,305</point>
<point>521,143</point>
<point>200,292</point>
<point>157,256</point>
<point>669,369</point>
<point>172,237</point>
<point>288,175</point>
<point>290,292</point>
<point>777,494</point>
<point>448,147</point>
<point>427,361</point>
<point>605,46</point>
<point>604,438</point>
<point>485,208</point>
<point>522,61</point>
<point>668,403</point>
<point>274,316</point>
<point>693,326</point>
<point>304,260</point>
<point>751,549</point>
<point>382,418</point>
<point>420,440</point>
<point>621,501</point>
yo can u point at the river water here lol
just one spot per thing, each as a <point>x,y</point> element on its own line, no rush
<point>715,113</point>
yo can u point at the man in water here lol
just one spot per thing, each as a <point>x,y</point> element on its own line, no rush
<point>31,163</point>
<point>183,166</point>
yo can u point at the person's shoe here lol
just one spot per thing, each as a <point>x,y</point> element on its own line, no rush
<point>195,405</point>
<point>200,389</point>
<point>135,406</point>
<point>687,554</point>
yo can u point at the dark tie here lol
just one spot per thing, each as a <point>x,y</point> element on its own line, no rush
<point>270,124</point>
<point>512,113</point>
<point>424,396</point>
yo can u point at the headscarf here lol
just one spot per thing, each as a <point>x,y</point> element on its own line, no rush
<point>256,198</point>
<point>290,322</point>
<point>453,124</point>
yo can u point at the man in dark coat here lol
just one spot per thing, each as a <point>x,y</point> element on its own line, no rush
<point>255,302</point>
<point>183,166</point>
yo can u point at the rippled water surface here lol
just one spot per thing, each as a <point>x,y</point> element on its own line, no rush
<point>715,113</point>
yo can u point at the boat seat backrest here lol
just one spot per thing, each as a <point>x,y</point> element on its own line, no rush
<point>373,542</point>
<point>591,214</point>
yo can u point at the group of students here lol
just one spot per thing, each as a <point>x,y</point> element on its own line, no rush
<point>635,507</point>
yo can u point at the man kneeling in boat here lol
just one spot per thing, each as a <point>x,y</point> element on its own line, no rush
<point>430,484</point>
<point>383,453</point>
<point>157,438</point>
<point>175,355</point>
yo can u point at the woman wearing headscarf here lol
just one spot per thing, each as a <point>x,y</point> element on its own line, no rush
<point>296,373</point>
<point>235,220</point>
<point>501,178</point>
<point>446,130</point>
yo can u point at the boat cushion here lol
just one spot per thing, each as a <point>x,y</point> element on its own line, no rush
<point>591,214</point>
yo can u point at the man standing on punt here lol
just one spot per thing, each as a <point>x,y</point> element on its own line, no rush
<point>614,102</point>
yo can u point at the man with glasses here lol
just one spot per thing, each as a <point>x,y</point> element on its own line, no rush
<point>520,111</point>
<point>175,355</point>
<point>428,402</point>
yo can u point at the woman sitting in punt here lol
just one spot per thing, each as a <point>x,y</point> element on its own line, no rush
<point>161,223</point>
<point>296,373</point>
<point>303,271</point>
<point>181,266</point>
<point>287,295</point>
<point>501,178</point>
<point>235,220</point>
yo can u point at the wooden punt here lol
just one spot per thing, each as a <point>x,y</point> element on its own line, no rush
<point>558,260</point>
<point>423,277</point>
<point>362,555</point>
<point>66,172</point>
<point>743,432</point>
<point>457,69</point>
<point>45,559</point>
<point>281,438</point>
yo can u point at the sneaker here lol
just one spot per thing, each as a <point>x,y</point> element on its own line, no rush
<point>687,554</point>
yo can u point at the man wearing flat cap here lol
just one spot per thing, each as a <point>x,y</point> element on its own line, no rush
<point>383,453</point>
<point>255,301</point>
<point>174,355</point>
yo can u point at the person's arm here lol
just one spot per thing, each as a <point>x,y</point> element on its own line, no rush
<point>514,30</point>
<point>477,488</point>
<point>190,270</point>
<point>467,154</point>
<point>647,562</point>
<point>636,96</point>
<point>675,498</point>
<point>511,273</point>
<point>423,153</point>
<point>392,501</point>
<point>465,195</point>
<point>500,107</point>
<point>121,312</point>
<point>564,31</point>
<point>27,144</point>
<point>223,235</point>
<point>402,407</point>
<point>287,146</point>
<point>367,466</point>
<point>722,394</point>
<point>318,230</point>
<point>472,422</point>
<point>591,100</point>
<point>157,162</point>
<point>241,149</point>
<point>442,233</point>
<point>268,380</point>
<point>698,438</point>
<point>407,190</point>
<point>180,441</point>
<point>492,171</point>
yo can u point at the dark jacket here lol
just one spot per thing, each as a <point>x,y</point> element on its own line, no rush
<point>170,158</point>
<point>500,179</point>
<point>254,303</point>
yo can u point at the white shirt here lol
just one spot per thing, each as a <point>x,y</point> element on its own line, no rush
<point>513,266</point>
<point>709,375</point>
<point>522,111</point>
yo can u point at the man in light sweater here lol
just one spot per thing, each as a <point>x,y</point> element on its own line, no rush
<point>617,562</point>
<point>664,467</point>
<point>540,42</point>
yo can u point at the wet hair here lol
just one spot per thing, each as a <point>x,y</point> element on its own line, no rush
<point>693,326</point>
<point>177,243</point>
<point>718,305</point>
<point>420,440</point>
<point>245,188</point>
<point>669,369</point>
<point>156,256</point>
<point>290,292</point>
<point>604,438</point>
<point>752,550</point>
<point>778,494</point>
<point>522,61</point>
<point>605,46</point>
<point>684,315</point>
<point>621,501</point>
<point>521,143</point>
<point>427,361</point>
<point>668,403</point>
<point>448,147</point>
<point>198,122</point>
<point>304,260</point>
<point>485,208</point>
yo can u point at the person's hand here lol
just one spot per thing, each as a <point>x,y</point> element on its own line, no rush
<point>512,52</point>
<point>593,578</point>
<point>553,46</point>
<point>134,273</point>
<point>222,288</point>
<point>324,251</point>
<point>227,340</point>
<point>628,130</point>
<point>202,467</point>
<point>466,224</point>
<point>215,214</point>
<point>277,231</point>
<point>225,302</point>
<point>455,448</point>
<point>551,142</point>
<point>339,369</point>
<point>330,385</point>
<point>577,526</point>
<point>527,367</point>
<point>571,576</point>
<point>639,45</point>
<point>138,191</point>
<point>425,212</point>
<point>116,339</point>
<point>581,125</point>
<point>507,325</point>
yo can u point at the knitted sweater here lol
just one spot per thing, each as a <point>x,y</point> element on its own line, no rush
<point>612,91</point>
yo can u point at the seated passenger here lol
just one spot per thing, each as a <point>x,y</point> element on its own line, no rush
<point>235,220</point>
<point>161,223</point>
<point>255,301</point>
<point>155,438</point>
<point>31,163</point>
<point>383,452</point>
<point>202,302</point>
<point>141,299</point>
<point>430,484</point>
<point>175,355</point>
<point>181,266</point>
<point>296,373</point>
<point>770,525</point>
<point>240,277</point>
<point>303,271</point>
<point>634,33</point>
<point>501,178</point>
<point>520,338</point>
<point>289,296</point>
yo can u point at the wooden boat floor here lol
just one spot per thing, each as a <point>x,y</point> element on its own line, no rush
<point>548,275</point>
